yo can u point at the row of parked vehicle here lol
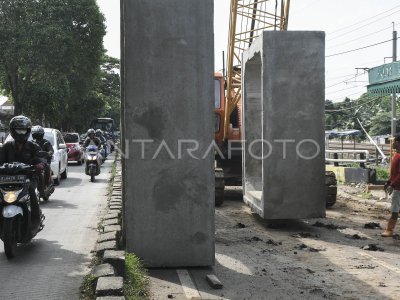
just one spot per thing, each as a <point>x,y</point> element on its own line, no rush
<point>67,148</point>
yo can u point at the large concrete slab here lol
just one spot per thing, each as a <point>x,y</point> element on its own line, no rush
<point>283,105</point>
<point>168,86</point>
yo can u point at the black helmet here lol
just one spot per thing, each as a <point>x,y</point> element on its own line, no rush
<point>37,132</point>
<point>99,132</point>
<point>20,128</point>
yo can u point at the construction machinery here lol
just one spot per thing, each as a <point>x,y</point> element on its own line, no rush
<point>248,19</point>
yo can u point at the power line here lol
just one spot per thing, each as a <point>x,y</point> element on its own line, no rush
<point>347,67</point>
<point>344,81</point>
<point>346,33</point>
<point>365,20</point>
<point>344,52</point>
<point>347,96</point>
<point>359,38</point>
<point>345,89</point>
<point>350,108</point>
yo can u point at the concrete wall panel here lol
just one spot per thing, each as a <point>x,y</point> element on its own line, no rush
<point>292,105</point>
<point>169,208</point>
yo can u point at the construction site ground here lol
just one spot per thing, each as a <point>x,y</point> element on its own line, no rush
<point>335,257</point>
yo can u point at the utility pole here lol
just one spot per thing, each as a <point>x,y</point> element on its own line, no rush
<point>394,115</point>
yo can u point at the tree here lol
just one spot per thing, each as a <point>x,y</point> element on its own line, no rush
<point>50,53</point>
<point>371,110</point>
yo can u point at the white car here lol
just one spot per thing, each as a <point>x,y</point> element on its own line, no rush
<point>59,161</point>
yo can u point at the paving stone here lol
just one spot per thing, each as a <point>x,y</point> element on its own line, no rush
<point>111,222</point>
<point>109,245</point>
<point>110,286</point>
<point>109,236</point>
<point>115,207</point>
<point>111,216</point>
<point>111,298</point>
<point>118,199</point>
<point>109,228</point>
<point>116,202</point>
<point>103,270</point>
<point>116,259</point>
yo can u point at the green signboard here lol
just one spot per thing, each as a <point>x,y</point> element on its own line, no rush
<point>384,79</point>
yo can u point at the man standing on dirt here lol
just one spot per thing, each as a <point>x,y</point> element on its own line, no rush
<point>392,187</point>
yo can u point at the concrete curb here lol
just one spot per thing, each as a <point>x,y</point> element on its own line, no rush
<point>110,272</point>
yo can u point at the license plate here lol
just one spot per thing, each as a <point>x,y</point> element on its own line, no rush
<point>12,179</point>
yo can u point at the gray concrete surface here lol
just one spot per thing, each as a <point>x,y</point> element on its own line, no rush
<point>168,96</point>
<point>283,104</point>
<point>53,265</point>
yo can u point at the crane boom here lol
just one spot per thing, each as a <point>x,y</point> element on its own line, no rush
<point>248,18</point>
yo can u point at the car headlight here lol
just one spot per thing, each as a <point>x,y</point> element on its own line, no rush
<point>11,196</point>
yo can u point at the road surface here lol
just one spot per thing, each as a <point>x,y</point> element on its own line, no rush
<point>54,264</point>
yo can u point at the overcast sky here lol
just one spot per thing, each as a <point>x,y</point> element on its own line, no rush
<point>349,24</point>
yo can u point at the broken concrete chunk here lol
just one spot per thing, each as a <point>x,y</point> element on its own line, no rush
<point>214,282</point>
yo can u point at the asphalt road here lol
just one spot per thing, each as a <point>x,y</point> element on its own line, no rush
<point>52,266</point>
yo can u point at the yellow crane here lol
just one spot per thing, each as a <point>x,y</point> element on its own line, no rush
<point>248,18</point>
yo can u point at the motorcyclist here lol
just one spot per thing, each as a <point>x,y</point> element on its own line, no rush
<point>38,136</point>
<point>103,140</point>
<point>27,152</point>
<point>91,139</point>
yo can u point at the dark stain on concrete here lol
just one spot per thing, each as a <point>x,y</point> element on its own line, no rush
<point>153,120</point>
<point>174,187</point>
<point>199,238</point>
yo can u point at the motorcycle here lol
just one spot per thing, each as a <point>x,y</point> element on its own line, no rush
<point>15,220</point>
<point>93,161</point>
<point>103,151</point>
<point>45,186</point>
<point>45,190</point>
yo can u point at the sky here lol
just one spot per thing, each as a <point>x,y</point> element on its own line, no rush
<point>348,24</point>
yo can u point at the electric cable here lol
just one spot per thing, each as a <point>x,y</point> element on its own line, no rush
<point>359,38</point>
<point>345,89</point>
<point>340,29</point>
<point>357,49</point>
<point>349,108</point>
<point>347,96</point>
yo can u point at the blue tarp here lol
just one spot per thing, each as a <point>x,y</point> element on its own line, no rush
<point>336,133</point>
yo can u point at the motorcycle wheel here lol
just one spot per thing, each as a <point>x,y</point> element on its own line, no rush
<point>10,238</point>
<point>92,177</point>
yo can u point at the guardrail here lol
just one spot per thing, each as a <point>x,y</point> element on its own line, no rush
<point>363,156</point>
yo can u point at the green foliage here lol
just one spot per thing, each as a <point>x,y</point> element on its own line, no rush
<point>382,173</point>
<point>372,111</point>
<point>53,64</point>
<point>88,287</point>
<point>136,282</point>
<point>381,123</point>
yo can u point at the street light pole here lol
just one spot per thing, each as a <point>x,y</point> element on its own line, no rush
<point>394,115</point>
